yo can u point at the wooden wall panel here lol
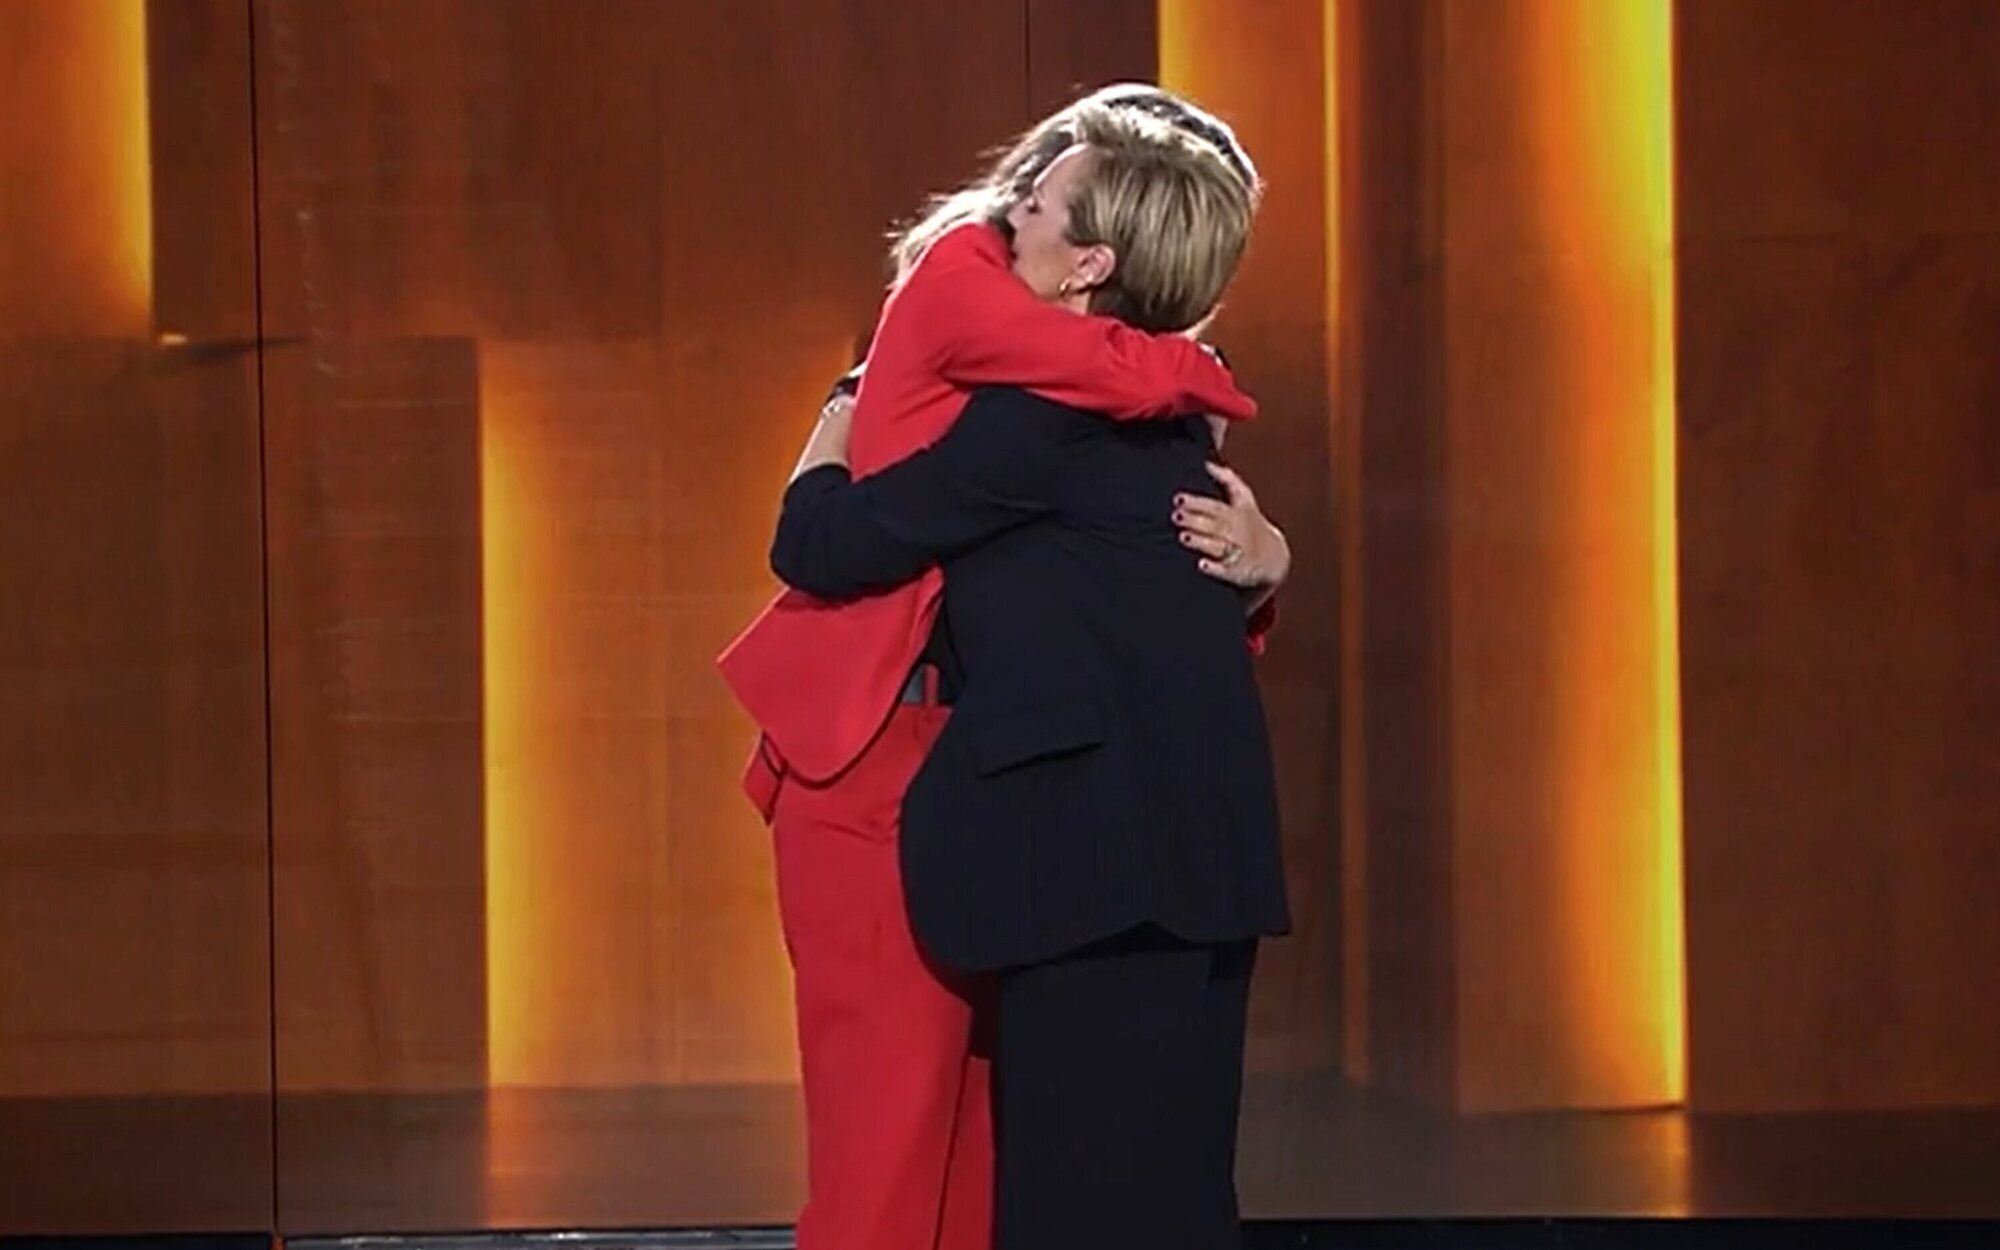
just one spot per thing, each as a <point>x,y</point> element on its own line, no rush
<point>1555,259</point>
<point>1509,896</point>
<point>377,766</point>
<point>1398,937</point>
<point>1076,48</point>
<point>455,168</point>
<point>1839,488</point>
<point>1263,72</point>
<point>204,274</point>
<point>134,957</point>
<point>559,287</point>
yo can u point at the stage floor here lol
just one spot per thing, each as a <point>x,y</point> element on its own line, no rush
<point>708,1157</point>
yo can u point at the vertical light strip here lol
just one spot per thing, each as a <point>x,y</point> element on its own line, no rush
<point>76,177</point>
<point>507,558</point>
<point>1605,127</point>
<point>1672,919</point>
<point>1175,39</point>
<point>1641,37</point>
<point>132,241</point>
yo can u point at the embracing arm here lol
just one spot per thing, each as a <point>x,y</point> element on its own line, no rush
<point>840,539</point>
<point>1239,545</point>
<point>984,327</point>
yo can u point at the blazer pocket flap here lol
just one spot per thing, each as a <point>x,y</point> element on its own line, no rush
<point>1019,736</point>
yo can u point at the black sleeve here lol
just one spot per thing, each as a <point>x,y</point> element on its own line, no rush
<point>996,469</point>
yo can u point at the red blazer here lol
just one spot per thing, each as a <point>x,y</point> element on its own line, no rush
<point>820,678</point>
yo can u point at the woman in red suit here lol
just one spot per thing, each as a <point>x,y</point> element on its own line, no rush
<point>899,1134</point>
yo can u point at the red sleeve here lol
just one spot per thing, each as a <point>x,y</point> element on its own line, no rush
<point>1260,624</point>
<point>981,326</point>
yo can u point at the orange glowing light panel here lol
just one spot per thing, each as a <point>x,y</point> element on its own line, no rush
<point>1604,121</point>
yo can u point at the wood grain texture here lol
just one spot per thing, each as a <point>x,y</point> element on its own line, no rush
<point>560,287</point>
<point>1840,495</point>
<point>1261,70</point>
<point>134,933</point>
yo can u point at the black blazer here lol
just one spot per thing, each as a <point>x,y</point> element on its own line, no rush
<point>1106,764</point>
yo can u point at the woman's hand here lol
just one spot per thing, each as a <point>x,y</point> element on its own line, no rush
<point>828,444</point>
<point>1237,543</point>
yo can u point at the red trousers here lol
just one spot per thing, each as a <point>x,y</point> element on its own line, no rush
<point>899,1130</point>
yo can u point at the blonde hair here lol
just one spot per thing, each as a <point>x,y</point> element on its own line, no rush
<point>1172,211</point>
<point>1016,167</point>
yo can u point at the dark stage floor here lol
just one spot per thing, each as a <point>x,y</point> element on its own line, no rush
<point>1312,1149</point>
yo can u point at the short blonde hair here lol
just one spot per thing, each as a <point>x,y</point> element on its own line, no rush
<point>1015,168</point>
<point>1172,210</point>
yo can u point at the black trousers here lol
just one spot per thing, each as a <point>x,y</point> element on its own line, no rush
<point>1118,1078</point>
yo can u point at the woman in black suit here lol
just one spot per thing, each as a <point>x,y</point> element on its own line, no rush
<point>1097,825</point>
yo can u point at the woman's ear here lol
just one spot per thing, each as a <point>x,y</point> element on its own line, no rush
<point>1096,266</point>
